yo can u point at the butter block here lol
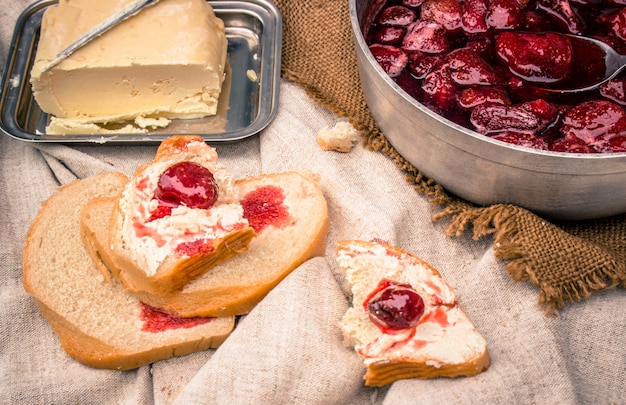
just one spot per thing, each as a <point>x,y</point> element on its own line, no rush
<point>166,62</point>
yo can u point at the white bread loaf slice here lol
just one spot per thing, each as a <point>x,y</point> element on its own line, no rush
<point>290,215</point>
<point>442,343</point>
<point>160,256</point>
<point>97,321</point>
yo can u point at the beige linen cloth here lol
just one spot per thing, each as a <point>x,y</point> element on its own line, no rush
<point>289,349</point>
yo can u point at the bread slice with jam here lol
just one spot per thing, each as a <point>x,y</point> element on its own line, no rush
<point>176,219</point>
<point>289,214</point>
<point>405,320</point>
<point>98,322</point>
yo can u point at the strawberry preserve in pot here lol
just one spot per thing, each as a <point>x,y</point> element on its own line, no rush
<point>485,64</point>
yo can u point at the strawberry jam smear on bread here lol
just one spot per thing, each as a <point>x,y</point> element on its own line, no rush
<point>405,320</point>
<point>178,216</point>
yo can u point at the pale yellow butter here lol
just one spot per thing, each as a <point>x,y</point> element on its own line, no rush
<point>166,62</point>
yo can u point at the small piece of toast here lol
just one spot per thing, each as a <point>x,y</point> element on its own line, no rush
<point>405,320</point>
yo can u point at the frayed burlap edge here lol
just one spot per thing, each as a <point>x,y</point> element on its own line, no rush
<point>509,224</point>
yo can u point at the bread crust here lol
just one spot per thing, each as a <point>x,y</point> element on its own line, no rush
<point>32,239</point>
<point>202,297</point>
<point>234,300</point>
<point>175,272</point>
<point>385,372</point>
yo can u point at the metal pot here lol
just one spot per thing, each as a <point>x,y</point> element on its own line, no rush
<point>561,186</point>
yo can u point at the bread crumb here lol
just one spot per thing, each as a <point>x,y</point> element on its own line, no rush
<point>252,76</point>
<point>340,138</point>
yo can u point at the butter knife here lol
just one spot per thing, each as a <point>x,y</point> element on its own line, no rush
<point>131,9</point>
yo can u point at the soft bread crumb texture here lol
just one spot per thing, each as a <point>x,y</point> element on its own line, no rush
<point>307,210</point>
<point>341,138</point>
<point>230,288</point>
<point>235,286</point>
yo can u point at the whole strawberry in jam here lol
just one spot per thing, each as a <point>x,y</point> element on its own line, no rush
<point>428,36</point>
<point>522,139</point>
<point>536,57</point>
<point>391,59</point>
<point>592,120</point>
<point>473,16</point>
<point>562,10</point>
<point>394,306</point>
<point>615,90</point>
<point>396,16</point>
<point>504,14</point>
<point>185,183</point>
<point>446,12</point>
<point>467,68</point>
<point>489,65</point>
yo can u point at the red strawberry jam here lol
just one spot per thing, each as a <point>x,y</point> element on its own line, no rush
<point>479,63</point>
<point>184,183</point>
<point>394,307</point>
<point>196,247</point>
<point>155,320</point>
<point>264,207</point>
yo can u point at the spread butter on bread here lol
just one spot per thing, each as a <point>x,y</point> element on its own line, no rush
<point>98,322</point>
<point>290,216</point>
<point>405,320</point>
<point>176,219</point>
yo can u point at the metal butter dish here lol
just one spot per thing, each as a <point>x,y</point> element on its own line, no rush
<point>248,103</point>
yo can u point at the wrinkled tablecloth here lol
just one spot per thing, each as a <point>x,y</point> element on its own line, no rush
<point>289,349</point>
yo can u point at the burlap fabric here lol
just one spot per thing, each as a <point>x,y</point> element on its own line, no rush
<point>567,261</point>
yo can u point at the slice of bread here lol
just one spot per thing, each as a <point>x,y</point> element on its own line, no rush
<point>442,343</point>
<point>97,321</point>
<point>290,216</point>
<point>160,255</point>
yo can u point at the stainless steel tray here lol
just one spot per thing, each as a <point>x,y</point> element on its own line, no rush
<point>254,32</point>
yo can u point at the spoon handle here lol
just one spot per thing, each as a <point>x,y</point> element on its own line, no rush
<point>620,62</point>
<point>131,9</point>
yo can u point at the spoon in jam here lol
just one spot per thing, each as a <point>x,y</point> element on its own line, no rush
<point>588,76</point>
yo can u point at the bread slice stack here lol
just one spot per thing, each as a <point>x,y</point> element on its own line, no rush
<point>98,322</point>
<point>405,320</point>
<point>72,265</point>
<point>296,233</point>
